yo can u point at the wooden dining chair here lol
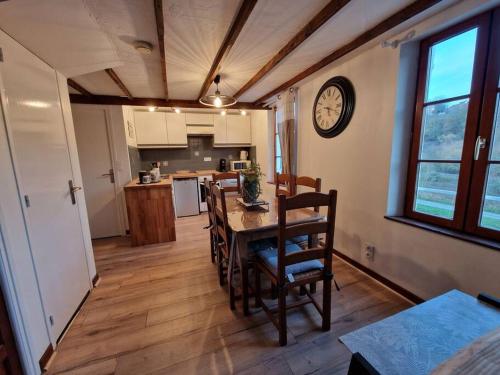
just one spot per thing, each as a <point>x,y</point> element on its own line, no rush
<point>227,176</point>
<point>285,184</point>
<point>223,237</point>
<point>288,266</point>
<point>211,221</point>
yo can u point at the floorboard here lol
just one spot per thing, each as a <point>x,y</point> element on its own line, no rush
<point>159,309</point>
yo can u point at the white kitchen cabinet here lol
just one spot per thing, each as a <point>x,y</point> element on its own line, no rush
<point>220,130</point>
<point>238,130</point>
<point>200,119</point>
<point>176,129</point>
<point>150,128</point>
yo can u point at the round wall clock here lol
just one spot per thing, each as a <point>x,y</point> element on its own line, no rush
<point>333,107</point>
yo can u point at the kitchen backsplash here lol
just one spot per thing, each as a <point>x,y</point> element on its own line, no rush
<point>135,161</point>
<point>190,158</point>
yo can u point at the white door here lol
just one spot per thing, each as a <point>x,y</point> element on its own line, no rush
<point>176,128</point>
<point>150,128</point>
<point>38,142</point>
<point>92,140</point>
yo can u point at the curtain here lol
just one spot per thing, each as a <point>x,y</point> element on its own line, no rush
<point>286,129</point>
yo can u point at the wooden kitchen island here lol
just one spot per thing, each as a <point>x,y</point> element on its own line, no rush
<point>150,212</point>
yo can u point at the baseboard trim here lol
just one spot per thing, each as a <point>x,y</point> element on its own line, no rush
<point>46,357</point>
<point>381,279</point>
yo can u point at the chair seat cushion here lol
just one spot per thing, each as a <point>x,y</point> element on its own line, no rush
<point>270,258</point>
<point>259,245</point>
<point>302,241</point>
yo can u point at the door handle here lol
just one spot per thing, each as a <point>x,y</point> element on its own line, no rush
<point>72,190</point>
<point>111,175</point>
<point>480,144</point>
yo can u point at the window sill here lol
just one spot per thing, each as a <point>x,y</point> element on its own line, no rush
<point>447,232</point>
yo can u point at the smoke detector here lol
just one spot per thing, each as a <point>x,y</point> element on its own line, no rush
<point>143,47</point>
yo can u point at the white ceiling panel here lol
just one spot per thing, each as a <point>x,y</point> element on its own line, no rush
<point>99,83</point>
<point>354,19</point>
<point>270,26</point>
<point>194,31</point>
<point>61,32</point>
<point>125,22</point>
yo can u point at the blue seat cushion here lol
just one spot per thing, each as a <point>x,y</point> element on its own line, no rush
<point>270,259</point>
<point>259,245</point>
<point>302,241</point>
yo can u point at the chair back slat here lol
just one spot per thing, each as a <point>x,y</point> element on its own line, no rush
<point>220,215</point>
<point>287,181</point>
<point>224,176</point>
<point>302,256</point>
<point>306,229</point>
<point>311,199</point>
<point>314,183</point>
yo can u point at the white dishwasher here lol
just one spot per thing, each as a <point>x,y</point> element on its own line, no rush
<point>186,196</point>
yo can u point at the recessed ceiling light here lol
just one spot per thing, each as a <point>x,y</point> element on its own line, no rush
<point>177,110</point>
<point>143,47</point>
<point>151,109</point>
<point>243,112</point>
<point>223,112</point>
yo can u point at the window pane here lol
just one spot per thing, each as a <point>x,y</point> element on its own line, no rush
<point>436,189</point>
<point>278,165</point>
<point>495,145</point>
<point>278,147</point>
<point>443,130</point>
<point>490,215</point>
<point>450,67</point>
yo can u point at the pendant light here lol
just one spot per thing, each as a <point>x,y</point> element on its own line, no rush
<point>217,100</point>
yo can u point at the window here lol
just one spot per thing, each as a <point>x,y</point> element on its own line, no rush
<point>277,147</point>
<point>454,170</point>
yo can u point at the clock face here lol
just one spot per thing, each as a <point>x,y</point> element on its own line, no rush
<point>333,107</point>
<point>329,107</point>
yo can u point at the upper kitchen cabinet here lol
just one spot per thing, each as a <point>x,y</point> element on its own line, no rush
<point>160,130</point>
<point>199,119</point>
<point>220,130</point>
<point>176,129</point>
<point>239,130</point>
<point>151,128</point>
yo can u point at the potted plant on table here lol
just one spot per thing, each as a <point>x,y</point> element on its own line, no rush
<point>251,189</point>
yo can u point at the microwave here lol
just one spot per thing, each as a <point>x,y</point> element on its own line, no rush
<point>238,165</point>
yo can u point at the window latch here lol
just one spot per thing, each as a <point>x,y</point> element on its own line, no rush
<point>480,144</point>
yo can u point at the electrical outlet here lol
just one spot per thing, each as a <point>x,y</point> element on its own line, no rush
<point>230,157</point>
<point>197,153</point>
<point>207,158</point>
<point>164,163</point>
<point>369,250</point>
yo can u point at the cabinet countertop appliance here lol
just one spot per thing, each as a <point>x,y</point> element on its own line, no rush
<point>186,196</point>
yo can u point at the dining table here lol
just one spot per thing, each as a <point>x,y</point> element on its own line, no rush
<point>249,224</point>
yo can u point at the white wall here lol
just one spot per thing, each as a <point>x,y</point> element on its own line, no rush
<point>119,151</point>
<point>358,162</point>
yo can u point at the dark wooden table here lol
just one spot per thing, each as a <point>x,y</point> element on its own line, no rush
<point>254,224</point>
<point>417,340</point>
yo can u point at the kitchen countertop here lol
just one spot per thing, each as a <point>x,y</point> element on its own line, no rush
<point>164,182</point>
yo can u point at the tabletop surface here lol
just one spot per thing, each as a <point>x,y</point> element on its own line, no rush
<point>242,219</point>
<point>417,340</point>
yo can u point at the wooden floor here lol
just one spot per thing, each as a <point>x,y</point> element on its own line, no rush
<point>160,310</point>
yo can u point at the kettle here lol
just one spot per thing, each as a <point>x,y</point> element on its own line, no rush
<point>243,155</point>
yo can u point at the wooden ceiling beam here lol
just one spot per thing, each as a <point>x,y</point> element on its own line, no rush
<point>160,29</point>
<point>151,102</point>
<point>332,8</point>
<point>231,36</point>
<point>119,82</point>
<point>78,87</point>
<point>399,17</point>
